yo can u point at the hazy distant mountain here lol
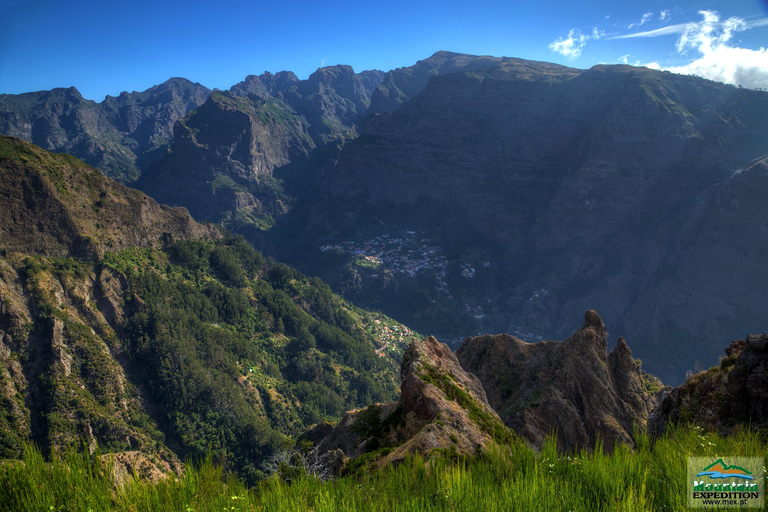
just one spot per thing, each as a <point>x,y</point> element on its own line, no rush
<point>121,136</point>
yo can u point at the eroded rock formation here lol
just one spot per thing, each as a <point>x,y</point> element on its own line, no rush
<point>573,388</point>
<point>441,407</point>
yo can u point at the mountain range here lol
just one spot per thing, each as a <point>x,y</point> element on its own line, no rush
<point>141,337</point>
<point>466,194</point>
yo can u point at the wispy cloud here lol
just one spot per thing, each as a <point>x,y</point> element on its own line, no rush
<point>572,45</point>
<point>646,17</point>
<point>663,31</point>
<point>710,45</point>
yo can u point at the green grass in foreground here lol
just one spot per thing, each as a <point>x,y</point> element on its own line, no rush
<point>650,478</point>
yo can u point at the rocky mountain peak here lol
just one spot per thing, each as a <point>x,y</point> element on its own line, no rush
<point>266,84</point>
<point>419,392</point>
<point>329,74</point>
<point>593,330</point>
<point>441,407</point>
<point>571,387</point>
<point>121,135</point>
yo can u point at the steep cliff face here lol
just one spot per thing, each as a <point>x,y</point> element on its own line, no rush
<point>121,136</point>
<point>62,379</point>
<point>246,155</point>
<point>547,190</point>
<point>543,162</point>
<point>573,388</point>
<point>581,191</point>
<point>57,205</point>
<point>441,408</point>
<point>224,156</point>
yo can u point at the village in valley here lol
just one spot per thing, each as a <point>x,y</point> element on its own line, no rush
<point>410,254</point>
<point>394,337</point>
<point>407,253</point>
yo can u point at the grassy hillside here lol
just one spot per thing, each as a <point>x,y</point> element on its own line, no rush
<point>650,478</point>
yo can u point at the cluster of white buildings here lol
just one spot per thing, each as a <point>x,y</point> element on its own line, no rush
<point>405,254</point>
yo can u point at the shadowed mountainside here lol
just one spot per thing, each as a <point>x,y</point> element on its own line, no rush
<point>618,188</point>
<point>539,190</point>
<point>246,155</point>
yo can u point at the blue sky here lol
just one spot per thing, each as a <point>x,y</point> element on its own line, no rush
<point>108,46</point>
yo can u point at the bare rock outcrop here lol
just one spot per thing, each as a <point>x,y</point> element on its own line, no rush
<point>574,388</point>
<point>731,394</point>
<point>146,467</point>
<point>441,408</point>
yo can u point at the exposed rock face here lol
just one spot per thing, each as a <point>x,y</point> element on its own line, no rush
<point>615,188</point>
<point>56,205</point>
<point>734,393</point>
<point>60,381</point>
<point>622,188</point>
<point>83,344</point>
<point>127,466</point>
<point>441,407</point>
<point>748,383</point>
<point>121,136</point>
<point>226,150</point>
<point>572,388</point>
<point>265,126</point>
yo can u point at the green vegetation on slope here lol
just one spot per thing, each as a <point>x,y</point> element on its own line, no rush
<point>213,350</point>
<point>651,478</point>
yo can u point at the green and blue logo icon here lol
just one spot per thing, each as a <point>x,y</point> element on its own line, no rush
<point>720,469</point>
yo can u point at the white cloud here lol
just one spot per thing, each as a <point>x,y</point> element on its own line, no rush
<point>646,17</point>
<point>730,65</point>
<point>718,59</point>
<point>572,45</point>
<point>671,29</point>
<point>624,59</point>
<point>666,13</point>
<point>716,56</point>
